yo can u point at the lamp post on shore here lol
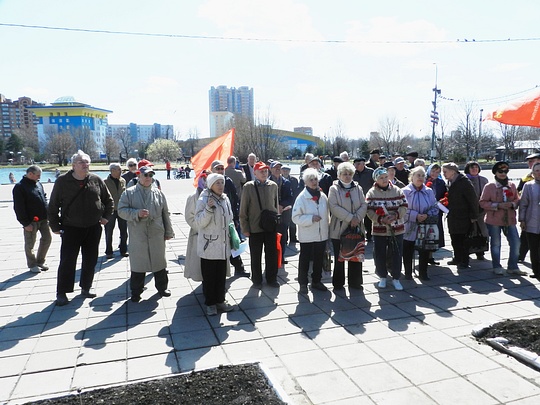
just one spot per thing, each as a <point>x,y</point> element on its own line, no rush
<point>434,117</point>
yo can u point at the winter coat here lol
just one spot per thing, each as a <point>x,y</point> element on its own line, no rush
<point>29,201</point>
<point>250,211</point>
<point>192,262</point>
<point>302,215</point>
<point>462,204</point>
<point>345,204</point>
<point>213,241</point>
<point>394,200</point>
<point>146,235</point>
<point>491,196</point>
<point>438,186</point>
<point>418,202</point>
<point>364,178</point>
<point>529,206</point>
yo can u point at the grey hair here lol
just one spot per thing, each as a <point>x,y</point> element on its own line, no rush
<point>310,174</point>
<point>33,169</point>
<point>419,162</point>
<point>131,160</point>
<point>345,167</point>
<point>80,155</point>
<point>115,166</point>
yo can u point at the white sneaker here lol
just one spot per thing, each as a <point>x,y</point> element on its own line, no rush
<point>517,271</point>
<point>397,285</point>
<point>43,266</point>
<point>224,307</point>
<point>35,269</point>
<point>211,310</point>
<point>499,271</point>
<point>382,283</point>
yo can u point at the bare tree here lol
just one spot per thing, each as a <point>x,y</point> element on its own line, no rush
<point>258,136</point>
<point>59,145</point>
<point>125,142</point>
<point>84,140</point>
<point>112,148</point>
<point>164,149</point>
<point>389,137</point>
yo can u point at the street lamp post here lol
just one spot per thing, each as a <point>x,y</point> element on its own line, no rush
<point>434,116</point>
<point>479,133</point>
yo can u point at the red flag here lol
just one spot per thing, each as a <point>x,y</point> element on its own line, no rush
<point>523,112</point>
<point>219,149</point>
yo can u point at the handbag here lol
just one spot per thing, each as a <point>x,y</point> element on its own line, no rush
<point>352,245</point>
<point>269,219</point>
<point>475,241</point>
<point>233,236</point>
<point>427,234</point>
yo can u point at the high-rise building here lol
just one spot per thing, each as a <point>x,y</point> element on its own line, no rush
<point>15,115</point>
<point>238,101</point>
<point>143,133</point>
<point>68,115</point>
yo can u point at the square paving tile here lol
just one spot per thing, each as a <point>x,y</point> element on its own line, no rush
<point>303,363</point>
<point>294,343</point>
<point>50,382</point>
<point>378,377</point>
<point>423,369</point>
<point>151,366</point>
<point>353,355</point>
<point>503,384</point>
<point>329,387</point>
<point>457,391</point>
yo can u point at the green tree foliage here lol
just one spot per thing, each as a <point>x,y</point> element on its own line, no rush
<point>14,143</point>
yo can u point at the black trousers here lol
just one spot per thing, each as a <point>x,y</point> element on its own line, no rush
<point>534,244</point>
<point>256,243</point>
<point>214,274</point>
<point>461,252</point>
<point>136,281</point>
<point>524,245</point>
<point>408,256</point>
<point>355,277</point>
<point>109,228</point>
<point>311,251</point>
<point>368,225</point>
<point>85,240</point>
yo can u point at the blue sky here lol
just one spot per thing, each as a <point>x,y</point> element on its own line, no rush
<point>374,75</point>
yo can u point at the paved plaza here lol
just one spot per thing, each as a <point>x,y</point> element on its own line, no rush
<point>354,347</point>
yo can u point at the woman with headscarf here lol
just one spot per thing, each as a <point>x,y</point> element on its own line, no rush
<point>421,205</point>
<point>387,207</point>
<point>213,214</point>
<point>463,212</point>
<point>472,170</point>
<point>192,262</point>
<point>500,200</point>
<point>347,208</point>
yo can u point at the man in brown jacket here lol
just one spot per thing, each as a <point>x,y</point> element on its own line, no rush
<point>116,186</point>
<point>250,214</point>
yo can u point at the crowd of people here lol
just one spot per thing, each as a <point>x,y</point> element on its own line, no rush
<point>386,202</point>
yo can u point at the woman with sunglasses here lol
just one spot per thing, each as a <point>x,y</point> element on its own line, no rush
<point>500,200</point>
<point>145,209</point>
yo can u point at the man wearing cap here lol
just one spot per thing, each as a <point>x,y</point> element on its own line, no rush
<point>248,167</point>
<point>286,173</point>
<point>285,197</point>
<point>230,190</point>
<point>325,181</point>
<point>411,157</point>
<point>332,172</point>
<point>524,246</point>
<point>134,180</point>
<point>402,173</point>
<point>250,215</point>
<point>364,177</point>
<point>373,159</point>
<point>382,160</point>
<point>80,203</point>
<point>145,209</point>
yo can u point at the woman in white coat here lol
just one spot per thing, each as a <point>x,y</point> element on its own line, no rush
<point>310,214</point>
<point>145,209</point>
<point>213,215</point>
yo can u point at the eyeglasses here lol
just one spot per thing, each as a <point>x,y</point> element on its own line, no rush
<point>502,171</point>
<point>132,165</point>
<point>149,175</point>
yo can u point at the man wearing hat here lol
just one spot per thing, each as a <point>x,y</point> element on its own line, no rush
<point>265,190</point>
<point>364,177</point>
<point>411,157</point>
<point>332,172</point>
<point>325,181</point>
<point>531,160</point>
<point>286,201</point>
<point>373,159</point>
<point>134,180</point>
<point>402,173</point>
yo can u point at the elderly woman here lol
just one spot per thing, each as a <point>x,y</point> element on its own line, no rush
<point>347,208</point>
<point>213,214</point>
<point>387,207</point>
<point>145,209</point>
<point>310,214</point>
<point>421,205</point>
<point>529,217</point>
<point>472,171</point>
<point>500,200</point>
<point>192,263</point>
<point>463,206</point>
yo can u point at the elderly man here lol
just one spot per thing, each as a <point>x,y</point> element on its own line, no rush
<point>364,177</point>
<point>30,205</point>
<point>402,173</point>
<point>116,186</point>
<point>336,161</point>
<point>237,176</point>
<point>258,195</point>
<point>373,159</point>
<point>286,173</point>
<point>411,157</point>
<point>248,167</point>
<point>80,203</point>
<point>132,170</point>
<point>286,202</point>
<point>307,158</point>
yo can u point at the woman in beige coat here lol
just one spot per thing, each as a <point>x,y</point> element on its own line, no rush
<point>145,209</point>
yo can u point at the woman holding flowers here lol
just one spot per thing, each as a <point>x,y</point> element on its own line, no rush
<point>500,200</point>
<point>387,207</point>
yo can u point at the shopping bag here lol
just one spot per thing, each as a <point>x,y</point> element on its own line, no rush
<point>427,234</point>
<point>475,241</point>
<point>352,245</point>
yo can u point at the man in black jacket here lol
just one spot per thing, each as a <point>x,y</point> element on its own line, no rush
<point>30,205</point>
<point>286,202</point>
<point>363,175</point>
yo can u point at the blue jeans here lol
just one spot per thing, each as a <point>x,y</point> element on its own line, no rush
<point>513,240</point>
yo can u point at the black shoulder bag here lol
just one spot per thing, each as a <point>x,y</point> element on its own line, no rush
<point>269,219</point>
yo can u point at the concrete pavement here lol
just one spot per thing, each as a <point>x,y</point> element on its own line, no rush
<point>354,347</point>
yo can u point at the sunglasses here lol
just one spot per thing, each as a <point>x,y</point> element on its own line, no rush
<point>502,171</point>
<point>132,165</point>
<point>148,175</point>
